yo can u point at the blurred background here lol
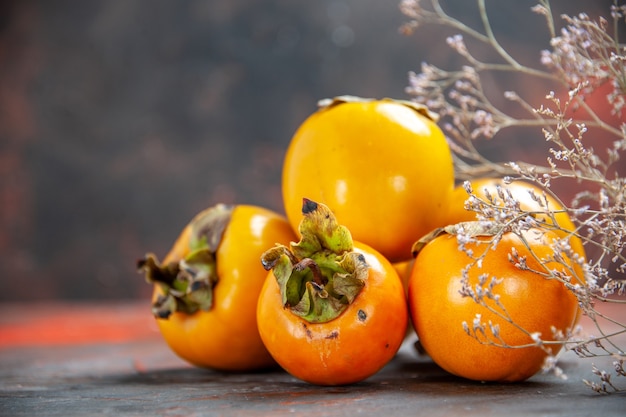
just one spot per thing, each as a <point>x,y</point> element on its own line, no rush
<point>120,120</point>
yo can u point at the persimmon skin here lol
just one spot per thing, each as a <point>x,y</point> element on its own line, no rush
<point>226,337</point>
<point>438,309</point>
<point>347,349</point>
<point>385,169</point>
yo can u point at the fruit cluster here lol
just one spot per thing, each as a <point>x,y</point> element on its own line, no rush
<point>330,291</point>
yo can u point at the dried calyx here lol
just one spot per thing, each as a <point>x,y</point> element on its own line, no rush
<point>187,284</point>
<point>321,274</point>
<point>329,103</point>
<point>468,229</point>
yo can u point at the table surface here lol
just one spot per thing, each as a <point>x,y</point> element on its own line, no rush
<point>109,360</point>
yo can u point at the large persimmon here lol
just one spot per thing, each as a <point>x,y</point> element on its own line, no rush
<point>493,320</point>
<point>384,166</point>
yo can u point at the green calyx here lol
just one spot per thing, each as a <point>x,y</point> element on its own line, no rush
<point>187,284</point>
<point>321,274</point>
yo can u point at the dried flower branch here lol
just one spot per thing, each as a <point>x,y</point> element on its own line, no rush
<point>586,56</point>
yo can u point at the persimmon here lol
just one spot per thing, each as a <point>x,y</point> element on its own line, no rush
<point>332,311</point>
<point>482,321</point>
<point>384,166</point>
<point>206,288</point>
<point>547,210</point>
<point>404,269</point>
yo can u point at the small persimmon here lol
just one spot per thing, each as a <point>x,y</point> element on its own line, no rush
<point>404,269</point>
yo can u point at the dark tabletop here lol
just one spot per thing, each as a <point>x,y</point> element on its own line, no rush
<point>109,360</point>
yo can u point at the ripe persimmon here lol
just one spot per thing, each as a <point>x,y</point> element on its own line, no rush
<point>332,311</point>
<point>463,318</point>
<point>404,268</point>
<point>206,288</point>
<point>383,166</point>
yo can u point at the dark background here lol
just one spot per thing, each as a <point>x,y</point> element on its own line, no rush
<point>120,120</point>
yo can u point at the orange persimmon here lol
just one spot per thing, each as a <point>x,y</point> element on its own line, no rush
<point>332,311</point>
<point>384,166</point>
<point>206,288</point>
<point>463,318</point>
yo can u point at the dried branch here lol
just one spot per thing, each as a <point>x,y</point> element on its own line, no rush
<point>584,56</point>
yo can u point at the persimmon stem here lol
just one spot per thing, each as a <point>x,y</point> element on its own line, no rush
<point>318,277</point>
